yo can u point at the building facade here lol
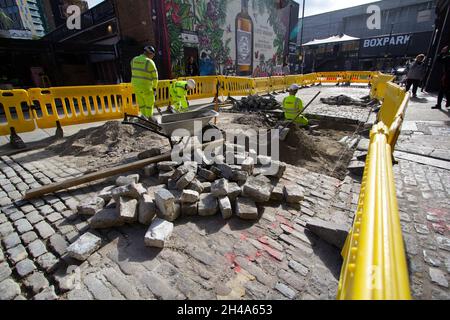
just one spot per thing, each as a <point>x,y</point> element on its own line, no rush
<point>405,30</point>
<point>28,19</point>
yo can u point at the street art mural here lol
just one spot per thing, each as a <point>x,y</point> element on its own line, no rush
<point>231,37</point>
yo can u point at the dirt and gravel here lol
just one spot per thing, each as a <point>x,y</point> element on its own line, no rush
<point>115,143</point>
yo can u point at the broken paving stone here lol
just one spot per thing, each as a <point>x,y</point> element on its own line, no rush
<point>332,233</point>
<point>86,245</point>
<point>208,205</point>
<point>126,180</point>
<point>153,152</point>
<point>439,277</point>
<point>165,176</point>
<point>206,187</point>
<point>167,165</point>
<point>165,202</point>
<point>189,209</point>
<point>207,174</point>
<point>196,185</point>
<point>150,170</point>
<point>158,233</point>
<point>106,194</point>
<point>128,209</point>
<point>246,209</point>
<point>234,191</point>
<point>147,210</point>
<point>106,218</point>
<point>190,196</point>
<point>258,188</point>
<point>293,194</point>
<point>185,180</point>
<point>264,160</point>
<point>240,176</point>
<point>226,170</point>
<point>91,206</point>
<point>172,184</point>
<point>248,165</point>
<point>277,193</point>
<point>134,191</point>
<point>274,169</point>
<point>219,188</point>
<point>181,171</point>
<point>225,207</point>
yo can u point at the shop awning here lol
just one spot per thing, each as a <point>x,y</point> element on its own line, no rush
<point>332,39</point>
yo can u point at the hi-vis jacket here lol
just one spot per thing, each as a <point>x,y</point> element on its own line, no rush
<point>292,106</point>
<point>144,73</point>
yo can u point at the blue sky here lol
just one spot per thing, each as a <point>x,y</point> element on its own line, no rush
<point>312,6</point>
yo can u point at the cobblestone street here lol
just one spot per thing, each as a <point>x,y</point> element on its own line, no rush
<point>208,257</point>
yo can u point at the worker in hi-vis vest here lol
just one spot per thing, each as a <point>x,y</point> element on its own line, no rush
<point>145,81</point>
<point>178,94</point>
<point>292,106</point>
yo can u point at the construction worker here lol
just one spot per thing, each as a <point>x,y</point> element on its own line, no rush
<point>178,94</point>
<point>292,106</point>
<point>145,81</point>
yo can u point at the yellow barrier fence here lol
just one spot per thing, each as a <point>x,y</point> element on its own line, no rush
<point>15,112</point>
<point>278,83</point>
<point>206,87</point>
<point>76,105</point>
<point>374,255</point>
<point>261,85</point>
<point>392,102</point>
<point>379,85</point>
<point>331,77</point>
<point>237,86</point>
<point>359,76</point>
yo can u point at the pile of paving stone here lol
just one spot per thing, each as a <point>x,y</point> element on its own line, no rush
<point>343,100</point>
<point>189,189</point>
<point>256,103</point>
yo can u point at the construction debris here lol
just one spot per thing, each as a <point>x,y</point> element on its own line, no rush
<point>332,233</point>
<point>158,233</point>
<point>86,245</point>
<point>343,100</point>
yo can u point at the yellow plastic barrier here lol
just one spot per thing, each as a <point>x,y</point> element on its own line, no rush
<point>237,86</point>
<point>162,93</point>
<point>331,77</point>
<point>374,255</point>
<point>393,100</point>
<point>206,87</point>
<point>379,85</point>
<point>359,76</point>
<point>261,85</point>
<point>309,79</point>
<point>15,112</point>
<point>278,83</point>
<point>76,105</point>
<point>396,127</point>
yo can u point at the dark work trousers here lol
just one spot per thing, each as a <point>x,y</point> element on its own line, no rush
<point>414,83</point>
<point>444,92</point>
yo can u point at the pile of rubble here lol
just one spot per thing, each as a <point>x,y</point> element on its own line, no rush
<point>188,189</point>
<point>343,100</point>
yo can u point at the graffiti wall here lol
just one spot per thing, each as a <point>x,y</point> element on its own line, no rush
<point>231,37</point>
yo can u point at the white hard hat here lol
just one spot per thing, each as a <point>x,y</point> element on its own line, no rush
<point>294,87</point>
<point>191,84</point>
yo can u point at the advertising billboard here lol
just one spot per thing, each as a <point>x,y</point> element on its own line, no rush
<point>231,37</point>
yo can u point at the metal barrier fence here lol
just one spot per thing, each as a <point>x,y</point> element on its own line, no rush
<point>374,255</point>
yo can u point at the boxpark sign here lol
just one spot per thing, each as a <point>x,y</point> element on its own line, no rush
<point>398,45</point>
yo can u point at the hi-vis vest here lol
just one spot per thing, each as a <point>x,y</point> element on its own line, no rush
<point>179,90</point>
<point>292,106</point>
<point>144,73</point>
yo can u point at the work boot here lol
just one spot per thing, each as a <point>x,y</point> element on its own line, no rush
<point>436,107</point>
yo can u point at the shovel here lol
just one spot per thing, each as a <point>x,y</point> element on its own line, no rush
<point>285,130</point>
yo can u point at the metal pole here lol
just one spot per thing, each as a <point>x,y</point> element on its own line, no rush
<point>301,37</point>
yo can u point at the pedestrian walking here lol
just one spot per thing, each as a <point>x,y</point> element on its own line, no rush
<point>444,58</point>
<point>191,68</point>
<point>416,73</point>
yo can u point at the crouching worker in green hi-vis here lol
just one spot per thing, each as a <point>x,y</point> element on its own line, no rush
<point>178,94</point>
<point>292,106</point>
<point>145,81</point>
